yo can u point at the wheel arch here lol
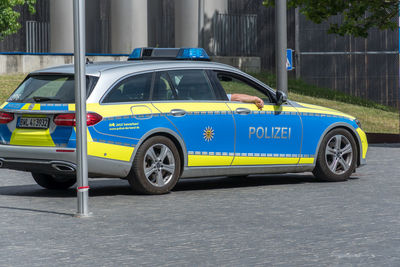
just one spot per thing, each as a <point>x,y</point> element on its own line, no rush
<point>347,127</point>
<point>173,136</point>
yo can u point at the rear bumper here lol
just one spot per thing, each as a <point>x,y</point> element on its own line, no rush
<point>54,160</point>
<point>39,166</point>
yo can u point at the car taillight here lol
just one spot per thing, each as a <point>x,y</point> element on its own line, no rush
<point>6,117</point>
<point>69,119</point>
<point>93,118</point>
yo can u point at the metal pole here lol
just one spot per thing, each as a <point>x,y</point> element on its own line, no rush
<point>281,45</point>
<point>80,109</point>
<point>297,43</point>
<point>201,22</point>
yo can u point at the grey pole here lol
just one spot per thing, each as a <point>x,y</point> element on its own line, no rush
<point>201,22</point>
<point>80,108</point>
<point>297,43</point>
<point>281,45</point>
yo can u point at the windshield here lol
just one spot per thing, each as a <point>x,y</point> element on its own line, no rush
<point>49,89</point>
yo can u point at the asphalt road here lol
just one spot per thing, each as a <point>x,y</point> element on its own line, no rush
<point>282,220</point>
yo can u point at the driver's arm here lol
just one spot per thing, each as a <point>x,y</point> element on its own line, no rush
<point>248,99</point>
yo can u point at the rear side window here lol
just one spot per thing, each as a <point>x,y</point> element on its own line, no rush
<point>192,85</point>
<point>134,88</point>
<point>49,89</point>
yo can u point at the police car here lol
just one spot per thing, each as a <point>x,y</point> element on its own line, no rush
<point>165,115</point>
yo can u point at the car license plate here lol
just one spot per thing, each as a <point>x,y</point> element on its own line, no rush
<point>34,123</point>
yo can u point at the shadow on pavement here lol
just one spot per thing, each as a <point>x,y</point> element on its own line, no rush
<point>98,188</point>
<point>35,210</point>
<point>112,187</point>
<point>242,181</point>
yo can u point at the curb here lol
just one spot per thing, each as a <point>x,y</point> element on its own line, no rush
<point>380,138</point>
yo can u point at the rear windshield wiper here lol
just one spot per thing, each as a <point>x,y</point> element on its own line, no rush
<point>44,99</point>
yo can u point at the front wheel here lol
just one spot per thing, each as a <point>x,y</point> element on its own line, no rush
<point>56,182</point>
<point>337,156</point>
<point>156,167</point>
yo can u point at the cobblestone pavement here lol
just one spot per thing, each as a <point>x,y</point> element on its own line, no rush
<point>281,220</point>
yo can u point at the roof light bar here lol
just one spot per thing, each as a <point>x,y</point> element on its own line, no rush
<point>149,53</point>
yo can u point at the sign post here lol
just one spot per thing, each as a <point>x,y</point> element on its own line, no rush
<point>281,45</point>
<point>80,108</point>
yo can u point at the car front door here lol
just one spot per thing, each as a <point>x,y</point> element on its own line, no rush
<point>188,100</point>
<point>268,136</point>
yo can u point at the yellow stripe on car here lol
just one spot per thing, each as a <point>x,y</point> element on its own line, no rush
<point>204,160</point>
<point>108,151</point>
<point>264,161</point>
<point>364,142</point>
<point>31,137</point>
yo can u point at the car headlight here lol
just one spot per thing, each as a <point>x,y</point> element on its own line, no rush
<point>358,123</point>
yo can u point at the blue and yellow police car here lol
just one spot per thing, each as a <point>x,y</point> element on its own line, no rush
<point>165,114</point>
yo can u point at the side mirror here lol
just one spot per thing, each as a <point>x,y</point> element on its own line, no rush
<point>281,97</point>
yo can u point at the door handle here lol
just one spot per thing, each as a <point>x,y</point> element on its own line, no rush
<point>243,111</point>
<point>178,112</point>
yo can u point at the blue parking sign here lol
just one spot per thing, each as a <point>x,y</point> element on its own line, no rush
<point>289,59</point>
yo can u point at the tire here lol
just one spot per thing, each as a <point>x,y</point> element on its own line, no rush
<point>156,167</point>
<point>54,182</point>
<point>337,156</point>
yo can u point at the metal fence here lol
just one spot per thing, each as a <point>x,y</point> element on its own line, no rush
<point>234,35</point>
<point>368,68</point>
<point>37,37</point>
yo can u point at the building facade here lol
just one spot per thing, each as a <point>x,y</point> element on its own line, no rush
<point>363,67</point>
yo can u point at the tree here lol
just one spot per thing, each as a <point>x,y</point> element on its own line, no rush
<point>358,16</point>
<point>9,17</point>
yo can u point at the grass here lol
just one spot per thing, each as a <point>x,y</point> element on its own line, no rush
<point>8,83</point>
<point>302,88</point>
<point>375,118</point>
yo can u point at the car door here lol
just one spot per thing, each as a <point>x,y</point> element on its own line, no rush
<point>268,136</point>
<point>127,115</point>
<point>201,117</point>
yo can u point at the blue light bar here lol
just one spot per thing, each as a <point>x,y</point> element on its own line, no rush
<point>136,53</point>
<point>149,53</point>
<point>193,53</point>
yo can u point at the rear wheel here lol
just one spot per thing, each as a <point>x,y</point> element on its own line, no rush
<point>156,167</point>
<point>337,156</point>
<point>56,182</point>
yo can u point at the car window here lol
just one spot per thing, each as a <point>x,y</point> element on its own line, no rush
<point>49,89</point>
<point>192,85</point>
<point>163,89</point>
<point>233,85</point>
<point>134,88</point>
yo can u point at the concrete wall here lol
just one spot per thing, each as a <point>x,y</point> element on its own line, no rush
<point>128,25</point>
<point>61,26</point>
<point>27,63</point>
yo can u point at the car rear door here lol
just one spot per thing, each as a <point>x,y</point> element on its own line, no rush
<point>204,121</point>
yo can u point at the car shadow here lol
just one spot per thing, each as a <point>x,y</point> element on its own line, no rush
<point>114,187</point>
<point>98,188</point>
<point>242,181</point>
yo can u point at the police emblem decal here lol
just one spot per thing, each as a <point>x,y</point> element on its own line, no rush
<point>208,134</point>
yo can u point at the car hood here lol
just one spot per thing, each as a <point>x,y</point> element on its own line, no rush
<point>303,107</point>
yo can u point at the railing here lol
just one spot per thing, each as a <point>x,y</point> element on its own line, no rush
<point>234,35</point>
<point>37,37</point>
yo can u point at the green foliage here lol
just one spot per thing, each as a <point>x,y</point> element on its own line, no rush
<point>358,16</point>
<point>9,17</point>
<point>302,88</point>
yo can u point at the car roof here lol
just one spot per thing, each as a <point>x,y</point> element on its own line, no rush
<point>115,67</point>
